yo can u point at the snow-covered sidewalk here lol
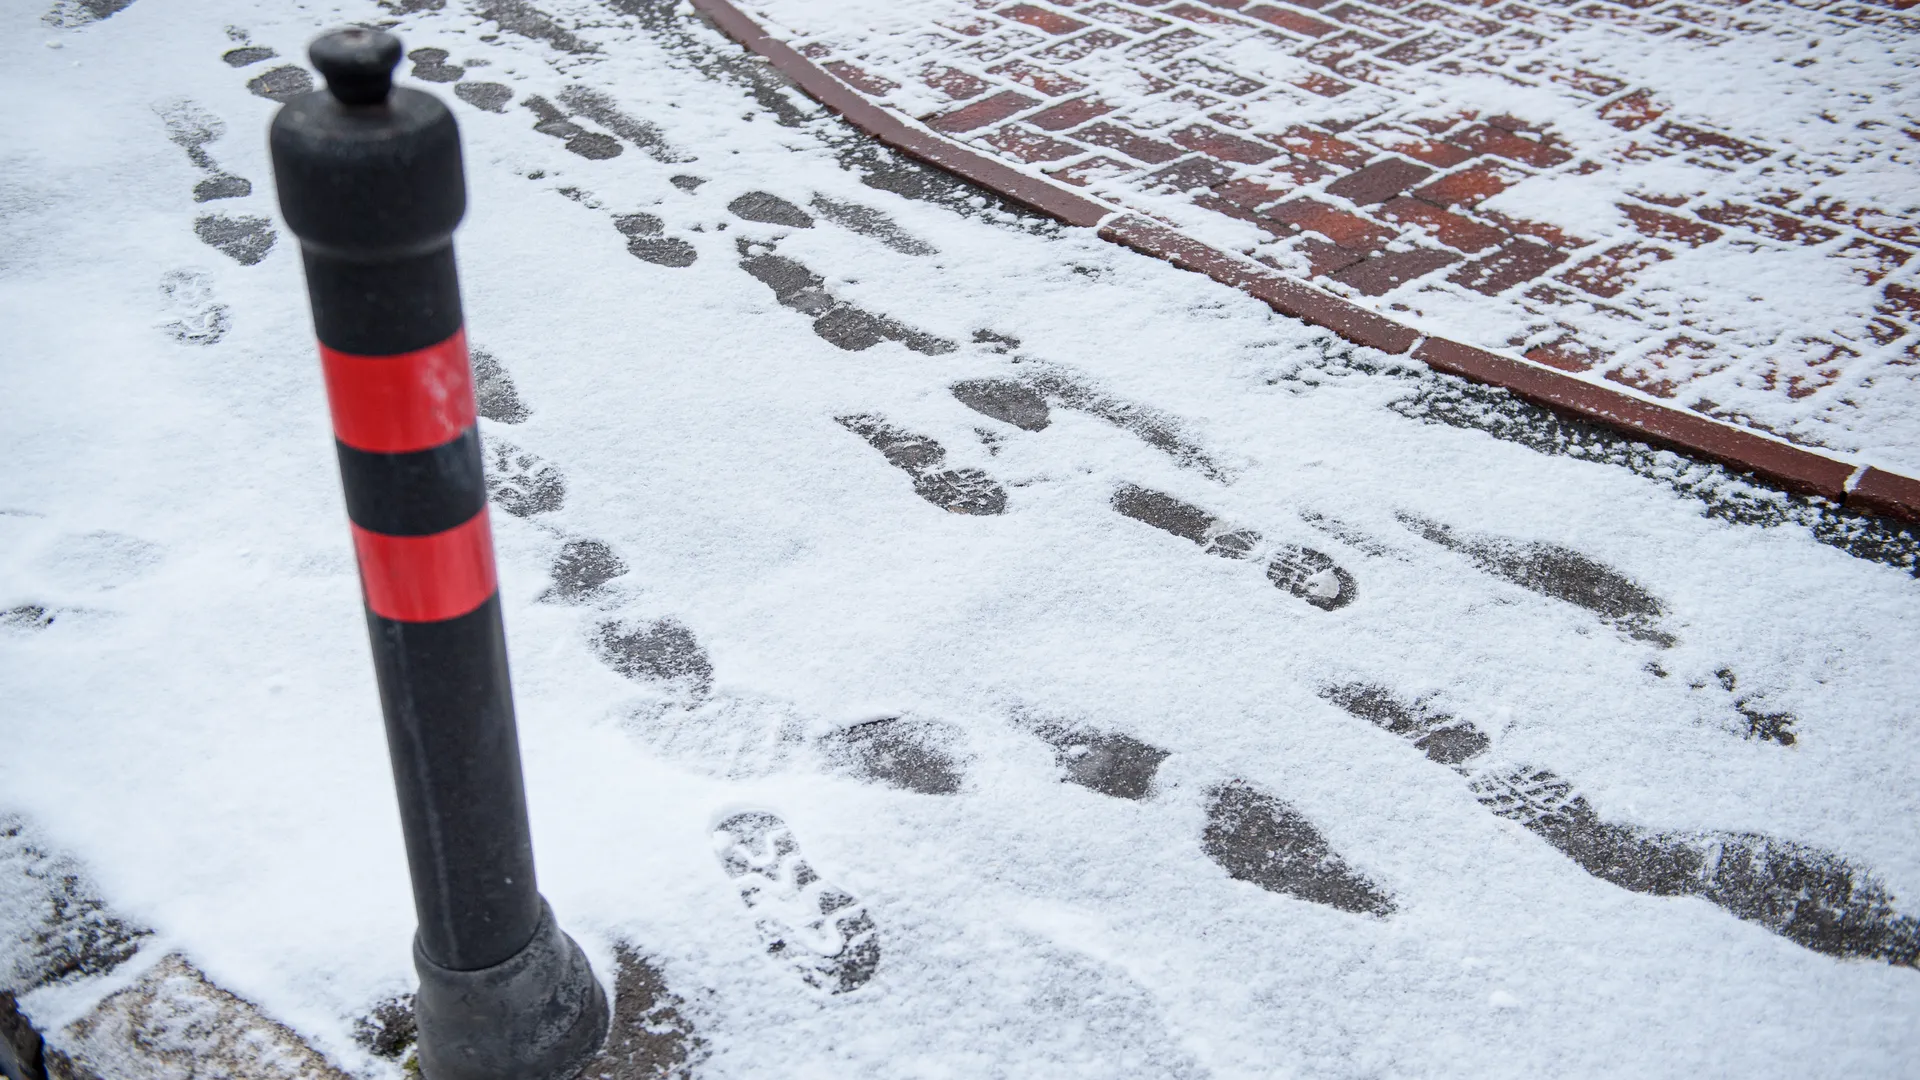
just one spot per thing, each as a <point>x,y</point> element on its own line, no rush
<point>946,644</point>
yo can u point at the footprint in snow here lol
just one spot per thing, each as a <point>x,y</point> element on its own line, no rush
<point>819,930</point>
<point>1558,573</point>
<point>1108,762</point>
<point>1310,575</point>
<point>1026,403</point>
<point>520,482</point>
<point>837,322</point>
<point>1256,837</point>
<point>911,754</point>
<point>1813,897</point>
<point>662,651</point>
<point>196,317</point>
<point>581,570</point>
<point>958,491</point>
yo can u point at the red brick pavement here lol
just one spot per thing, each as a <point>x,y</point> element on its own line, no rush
<point>1503,173</point>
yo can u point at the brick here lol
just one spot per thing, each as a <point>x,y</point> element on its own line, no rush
<point>1379,181</point>
<point>1325,258</point>
<point>1443,155</point>
<point>974,27</point>
<point>1611,271</point>
<point>1422,49</point>
<point>1488,139</point>
<point>1179,105</point>
<point>1451,229</point>
<point>1213,77</point>
<point>1041,19</point>
<point>1304,25</point>
<point>997,47</point>
<point>1865,218</point>
<point>1135,21</point>
<point>1568,353</point>
<point>861,80</point>
<point>1050,83</point>
<point>1112,136</point>
<point>1368,19</point>
<point>1455,19</point>
<point>1513,262</point>
<point>1366,70</point>
<point>1081,47</point>
<point>1189,175</point>
<point>1195,13</point>
<point>1712,143</point>
<point>1320,146</point>
<point>1550,235</point>
<point>1504,48</point>
<point>1315,82</point>
<point>1510,122</point>
<point>1708,17</point>
<point>990,110</point>
<point>1082,173</point>
<point>1330,51</point>
<point>1642,23</point>
<point>1380,274</point>
<point>1586,82</point>
<point>1166,46</point>
<point>1768,223</point>
<point>1248,195</point>
<point>1471,185</point>
<point>1669,226</point>
<point>1298,171</point>
<point>1885,331</point>
<point>1350,231</point>
<point>1872,261</point>
<point>1028,145</point>
<point>1887,494</point>
<point>814,50</point>
<point>1636,110</point>
<point>1900,300</point>
<point>1653,374</point>
<point>1539,20</point>
<point>1219,144</point>
<point>1070,113</point>
<point>953,82</point>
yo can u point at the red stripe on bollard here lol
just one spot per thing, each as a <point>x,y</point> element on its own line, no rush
<point>420,579</point>
<point>400,403</point>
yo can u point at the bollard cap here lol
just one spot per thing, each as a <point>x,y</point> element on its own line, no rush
<point>357,63</point>
<point>365,171</point>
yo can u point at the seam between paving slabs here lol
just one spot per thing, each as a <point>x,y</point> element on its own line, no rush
<point>1867,489</point>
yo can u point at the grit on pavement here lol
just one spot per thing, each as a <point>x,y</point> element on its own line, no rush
<point>946,644</point>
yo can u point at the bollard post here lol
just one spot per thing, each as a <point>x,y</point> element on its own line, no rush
<point>370,180</point>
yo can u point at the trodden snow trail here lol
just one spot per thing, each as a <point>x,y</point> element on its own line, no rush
<point>1055,603</point>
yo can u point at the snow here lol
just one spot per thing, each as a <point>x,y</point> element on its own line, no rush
<point>198,725</point>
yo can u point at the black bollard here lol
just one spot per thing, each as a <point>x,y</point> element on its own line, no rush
<point>370,180</point>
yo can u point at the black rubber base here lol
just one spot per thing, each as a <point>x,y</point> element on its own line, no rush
<point>540,1015</point>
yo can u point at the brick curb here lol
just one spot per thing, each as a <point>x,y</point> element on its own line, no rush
<point>1865,489</point>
